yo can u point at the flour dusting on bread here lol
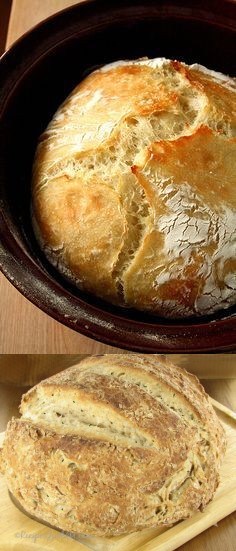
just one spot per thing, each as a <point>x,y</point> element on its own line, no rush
<point>134,187</point>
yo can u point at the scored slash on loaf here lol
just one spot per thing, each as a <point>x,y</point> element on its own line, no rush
<point>133,193</point>
<point>113,445</point>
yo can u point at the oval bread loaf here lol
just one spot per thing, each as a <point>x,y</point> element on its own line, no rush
<point>134,187</point>
<point>113,445</point>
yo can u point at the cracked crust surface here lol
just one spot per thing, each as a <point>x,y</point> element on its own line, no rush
<point>133,194</point>
<point>114,445</point>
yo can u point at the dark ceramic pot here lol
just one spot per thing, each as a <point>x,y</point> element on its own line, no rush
<point>37,73</point>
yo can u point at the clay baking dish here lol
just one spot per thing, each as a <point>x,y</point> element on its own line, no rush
<point>37,73</point>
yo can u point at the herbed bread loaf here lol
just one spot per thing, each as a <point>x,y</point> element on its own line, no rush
<point>133,195</point>
<point>113,445</point>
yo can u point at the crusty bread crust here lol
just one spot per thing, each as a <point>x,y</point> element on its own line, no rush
<point>113,445</point>
<point>133,195</point>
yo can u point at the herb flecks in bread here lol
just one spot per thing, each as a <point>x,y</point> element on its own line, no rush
<point>116,444</point>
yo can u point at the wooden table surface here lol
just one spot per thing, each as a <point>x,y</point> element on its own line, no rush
<point>216,538</point>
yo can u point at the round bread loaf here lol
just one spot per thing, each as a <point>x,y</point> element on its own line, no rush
<point>134,187</point>
<point>113,445</point>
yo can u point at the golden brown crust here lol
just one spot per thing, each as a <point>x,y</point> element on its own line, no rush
<point>113,445</point>
<point>165,162</point>
<point>155,234</point>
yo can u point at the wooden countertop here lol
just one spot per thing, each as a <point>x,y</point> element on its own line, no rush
<point>218,537</point>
